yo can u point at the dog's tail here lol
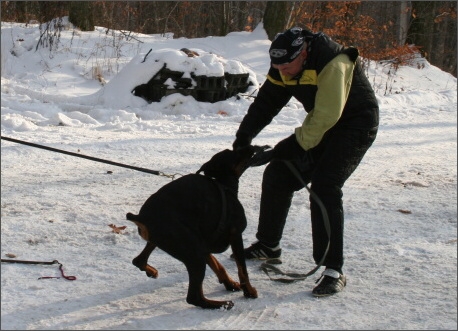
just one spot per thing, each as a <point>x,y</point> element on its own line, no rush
<point>142,229</point>
<point>132,217</point>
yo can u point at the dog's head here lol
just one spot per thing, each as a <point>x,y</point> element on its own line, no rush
<point>229,163</point>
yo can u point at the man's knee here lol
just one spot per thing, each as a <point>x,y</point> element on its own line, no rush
<point>277,176</point>
<point>327,190</point>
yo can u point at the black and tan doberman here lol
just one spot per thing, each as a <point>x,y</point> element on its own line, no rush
<point>197,215</point>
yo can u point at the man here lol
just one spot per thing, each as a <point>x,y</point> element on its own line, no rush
<point>340,126</point>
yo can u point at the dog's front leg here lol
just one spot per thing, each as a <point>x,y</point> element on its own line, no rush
<point>222,274</point>
<point>141,261</point>
<point>236,242</point>
<point>196,271</point>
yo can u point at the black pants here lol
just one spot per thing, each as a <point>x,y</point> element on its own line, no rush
<point>334,160</point>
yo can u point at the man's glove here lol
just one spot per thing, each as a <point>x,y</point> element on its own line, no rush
<point>241,141</point>
<point>289,149</point>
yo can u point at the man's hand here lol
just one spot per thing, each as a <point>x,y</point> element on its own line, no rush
<point>288,149</point>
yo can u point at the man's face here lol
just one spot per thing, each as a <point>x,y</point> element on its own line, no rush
<point>294,67</point>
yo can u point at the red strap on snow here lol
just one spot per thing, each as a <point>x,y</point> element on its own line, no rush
<point>43,262</point>
<point>62,272</point>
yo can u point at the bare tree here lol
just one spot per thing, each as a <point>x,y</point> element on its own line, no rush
<point>378,28</point>
<point>433,29</point>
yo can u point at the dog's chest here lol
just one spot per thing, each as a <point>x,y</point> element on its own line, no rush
<point>223,214</point>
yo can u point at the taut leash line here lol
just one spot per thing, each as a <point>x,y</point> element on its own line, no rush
<point>149,171</point>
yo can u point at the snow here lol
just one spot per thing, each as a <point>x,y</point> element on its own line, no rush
<point>400,204</point>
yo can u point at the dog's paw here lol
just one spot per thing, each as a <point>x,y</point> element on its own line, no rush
<point>232,286</point>
<point>209,304</point>
<point>249,292</point>
<point>151,272</point>
<point>228,305</point>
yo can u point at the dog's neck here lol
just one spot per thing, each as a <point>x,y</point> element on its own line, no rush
<point>231,183</point>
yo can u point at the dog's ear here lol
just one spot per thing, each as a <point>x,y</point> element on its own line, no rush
<point>229,162</point>
<point>220,165</point>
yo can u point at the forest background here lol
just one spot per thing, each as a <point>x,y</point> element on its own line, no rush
<point>382,30</point>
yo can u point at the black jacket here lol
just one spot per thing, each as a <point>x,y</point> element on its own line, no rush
<point>360,109</point>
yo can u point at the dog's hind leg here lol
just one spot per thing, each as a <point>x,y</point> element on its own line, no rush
<point>222,274</point>
<point>141,261</point>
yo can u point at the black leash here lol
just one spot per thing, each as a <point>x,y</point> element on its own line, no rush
<point>260,158</point>
<point>45,263</point>
<point>293,277</point>
<point>149,171</point>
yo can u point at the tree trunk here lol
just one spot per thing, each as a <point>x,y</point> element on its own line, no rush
<point>275,17</point>
<point>81,15</point>
<point>225,17</point>
<point>403,22</point>
<point>21,11</point>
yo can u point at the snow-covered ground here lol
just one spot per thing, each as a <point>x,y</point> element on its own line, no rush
<point>400,204</point>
